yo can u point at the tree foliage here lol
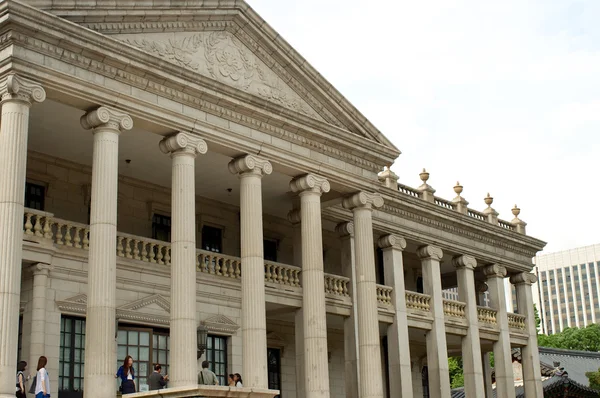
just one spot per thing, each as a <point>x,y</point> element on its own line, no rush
<point>457,378</point>
<point>594,378</point>
<point>582,339</point>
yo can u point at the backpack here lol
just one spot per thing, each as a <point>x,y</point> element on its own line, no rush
<point>33,384</point>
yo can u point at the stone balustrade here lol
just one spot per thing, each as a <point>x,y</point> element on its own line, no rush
<point>454,308</point>
<point>143,249</point>
<point>337,285</point>
<point>384,294</point>
<point>284,274</point>
<point>417,301</point>
<point>516,321</point>
<point>487,315</point>
<point>214,263</point>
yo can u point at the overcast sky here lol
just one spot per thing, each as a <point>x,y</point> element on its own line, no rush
<point>503,96</point>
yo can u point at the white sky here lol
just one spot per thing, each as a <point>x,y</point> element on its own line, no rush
<point>503,96</point>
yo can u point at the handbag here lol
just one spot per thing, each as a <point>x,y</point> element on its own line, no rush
<point>33,384</point>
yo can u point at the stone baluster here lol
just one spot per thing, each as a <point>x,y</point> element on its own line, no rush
<point>369,351</point>
<point>106,125</point>
<point>471,348</point>
<point>460,203</point>
<point>183,148</point>
<point>309,188</point>
<point>502,351</point>
<point>254,323</point>
<point>437,350</point>
<point>398,340</point>
<point>532,380</point>
<point>18,94</point>
<point>352,363</point>
<point>37,341</point>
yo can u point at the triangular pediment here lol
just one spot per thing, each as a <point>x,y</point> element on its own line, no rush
<point>154,302</point>
<point>220,324</point>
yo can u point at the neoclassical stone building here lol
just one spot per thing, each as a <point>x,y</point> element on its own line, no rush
<point>168,165</point>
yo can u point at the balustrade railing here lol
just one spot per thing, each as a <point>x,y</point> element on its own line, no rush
<point>454,308</point>
<point>486,315</point>
<point>417,301</point>
<point>284,274</point>
<point>384,294</point>
<point>143,249</point>
<point>507,225</point>
<point>337,285</point>
<point>405,189</point>
<point>516,321</point>
<point>443,203</point>
<point>476,214</point>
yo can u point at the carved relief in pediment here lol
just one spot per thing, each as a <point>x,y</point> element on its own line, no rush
<point>221,324</point>
<point>222,56</point>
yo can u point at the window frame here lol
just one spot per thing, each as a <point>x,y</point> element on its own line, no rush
<point>29,197</point>
<point>161,223</point>
<point>204,235</point>
<point>210,356</point>
<point>274,242</point>
<point>70,362</point>
<point>271,369</point>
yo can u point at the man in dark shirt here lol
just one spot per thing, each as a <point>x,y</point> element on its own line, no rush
<point>156,381</point>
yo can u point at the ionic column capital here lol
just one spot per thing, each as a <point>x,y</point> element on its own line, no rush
<point>430,252</point>
<point>345,229</point>
<point>481,287</point>
<point>464,261</point>
<point>108,118</point>
<point>294,216</point>
<point>40,269</point>
<point>250,164</point>
<point>523,278</point>
<point>494,271</point>
<point>392,242</point>
<point>183,143</point>
<point>310,183</point>
<point>17,88</point>
<point>363,200</point>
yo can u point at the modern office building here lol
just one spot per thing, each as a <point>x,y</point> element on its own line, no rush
<point>174,176</point>
<point>568,288</point>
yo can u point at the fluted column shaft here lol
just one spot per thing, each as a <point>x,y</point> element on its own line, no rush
<point>254,322</point>
<point>294,218</point>
<point>471,345</point>
<point>351,362</point>
<point>106,124</point>
<point>183,148</point>
<point>369,350</point>
<point>437,350</point>
<point>316,364</point>
<point>17,96</point>
<point>37,341</point>
<point>532,378</point>
<point>505,386</point>
<point>398,340</point>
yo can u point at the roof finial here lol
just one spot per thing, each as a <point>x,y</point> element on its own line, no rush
<point>425,191</point>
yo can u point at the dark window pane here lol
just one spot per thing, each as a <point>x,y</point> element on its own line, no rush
<point>34,196</point>
<point>212,239</point>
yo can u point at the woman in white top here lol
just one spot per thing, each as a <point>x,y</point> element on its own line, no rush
<point>238,380</point>
<point>42,382</point>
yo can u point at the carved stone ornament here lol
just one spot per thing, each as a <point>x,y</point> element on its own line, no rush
<point>392,242</point>
<point>310,183</point>
<point>294,216</point>
<point>107,118</point>
<point>183,142</point>
<point>523,278</point>
<point>464,261</point>
<point>363,199</point>
<point>220,55</point>
<point>345,229</point>
<point>250,164</point>
<point>221,324</point>
<point>41,268</point>
<point>430,252</point>
<point>16,88</point>
<point>495,270</point>
<point>481,287</point>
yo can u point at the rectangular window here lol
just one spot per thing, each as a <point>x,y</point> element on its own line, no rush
<point>216,355</point>
<point>71,367</point>
<point>160,350</point>
<point>161,227</point>
<point>212,239</point>
<point>270,249</point>
<point>274,369</point>
<point>35,196</point>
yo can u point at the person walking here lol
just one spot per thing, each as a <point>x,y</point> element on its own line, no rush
<point>127,375</point>
<point>238,380</point>
<point>42,380</point>
<point>21,368</point>
<point>156,381</point>
<point>207,376</point>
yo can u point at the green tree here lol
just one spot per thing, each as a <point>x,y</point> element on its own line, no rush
<point>457,377</point>
<point>594,378</point>
<point>582,339</point>
<point>538,320</point>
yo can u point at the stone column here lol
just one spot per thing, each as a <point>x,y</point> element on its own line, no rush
<point>398,341</point>
<point>505,385</point>
<point>481,288</point>
<point>437,351</point>
<point>369,351</point>
<point>100,354</point>
<point>37,343</point>
<point>316,364</point>
<point>532,378</point>
<point>183,148</point>
<point>351,362</point>
<point>471,346</point>
<point>254,321</point>
<point>18,94</point>
<point>294,218</point>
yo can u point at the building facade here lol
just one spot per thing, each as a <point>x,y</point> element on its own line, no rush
<point>568,288</point>
<point>166,165</point>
